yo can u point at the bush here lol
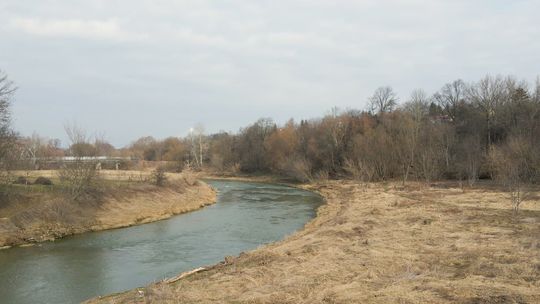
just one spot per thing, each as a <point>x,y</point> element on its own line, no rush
<point>21,180</point>
<point>514,166</point>
<point>81,179</point>
<point>159,178</point>
<point>299,169</point>
<point>359,170</point>
<point>43,181</point>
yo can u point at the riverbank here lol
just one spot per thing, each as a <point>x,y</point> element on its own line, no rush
<point>380,243</point>
<point>44,214</point>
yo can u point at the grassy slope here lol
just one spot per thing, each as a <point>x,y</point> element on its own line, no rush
<point>381,245</point>
<point>40,213</point>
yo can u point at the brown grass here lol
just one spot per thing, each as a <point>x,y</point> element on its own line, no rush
<point>381,244</point>
<point>36,214</point>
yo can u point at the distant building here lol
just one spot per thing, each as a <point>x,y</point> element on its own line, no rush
<point>441,119</point>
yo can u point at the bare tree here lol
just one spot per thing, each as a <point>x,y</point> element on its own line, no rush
<point>433,149</point>
<point>33,148</point>
<point>198,144</point>
<point>418,105</point>
<point>102,147</point>
<point>7,135</point>
<point>7,90</point>
<point>383,100</point>
<point>76,134</point>
<point>250,145</point>
<point>488,95</point>
<point>536,93</point>
<point>79,174</point>
<point>80,141</point>
<point>450,96</point>
<point>471,159</point>
<point>417,108</point>
<point>335,131</point>
<point>281,145</point>
<point>222,155</point>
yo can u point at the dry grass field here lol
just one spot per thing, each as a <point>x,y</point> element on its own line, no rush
<point>381,244</point>
<point>40,213</point>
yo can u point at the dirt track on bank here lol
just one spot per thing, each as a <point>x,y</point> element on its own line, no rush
<point>380,244</point>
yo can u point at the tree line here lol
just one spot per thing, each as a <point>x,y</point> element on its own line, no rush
<point>489,129</point>
<point>460,132</point>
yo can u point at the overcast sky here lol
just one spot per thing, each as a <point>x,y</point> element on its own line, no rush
<point>131,68</point>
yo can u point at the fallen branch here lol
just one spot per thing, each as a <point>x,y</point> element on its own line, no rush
<point>183,275</point>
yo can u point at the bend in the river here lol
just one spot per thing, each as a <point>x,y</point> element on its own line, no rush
<point>245,216</point>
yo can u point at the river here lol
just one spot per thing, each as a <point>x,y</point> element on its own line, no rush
<point>76,268</point>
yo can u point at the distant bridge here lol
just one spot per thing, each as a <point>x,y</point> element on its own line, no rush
<point>103,161</point>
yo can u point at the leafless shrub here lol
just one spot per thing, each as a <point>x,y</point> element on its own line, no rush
<point>351,168</point>
<point>322,175</point>
<point>429,165</point>
<point>235,168</point>
<point>159,178</point>
<point>470,160</point>
<point>299,169</point>
<point>80,178</point>
<point>513,166</point>
<point>359,170</point>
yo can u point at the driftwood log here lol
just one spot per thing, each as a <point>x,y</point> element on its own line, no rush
<point>183,275</point>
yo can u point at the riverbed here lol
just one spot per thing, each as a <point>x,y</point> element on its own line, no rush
<point>73,269</point>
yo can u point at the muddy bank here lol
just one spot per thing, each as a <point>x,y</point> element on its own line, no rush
<point>380,244</point>
<point>37,217</point>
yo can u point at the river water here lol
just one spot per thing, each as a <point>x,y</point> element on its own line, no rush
<point>73,269</point>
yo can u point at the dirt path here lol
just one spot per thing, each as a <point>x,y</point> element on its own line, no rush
<point>380,244</point>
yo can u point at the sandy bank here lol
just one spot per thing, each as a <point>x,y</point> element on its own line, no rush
<point>380,244</point>
<point>44,216</point>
